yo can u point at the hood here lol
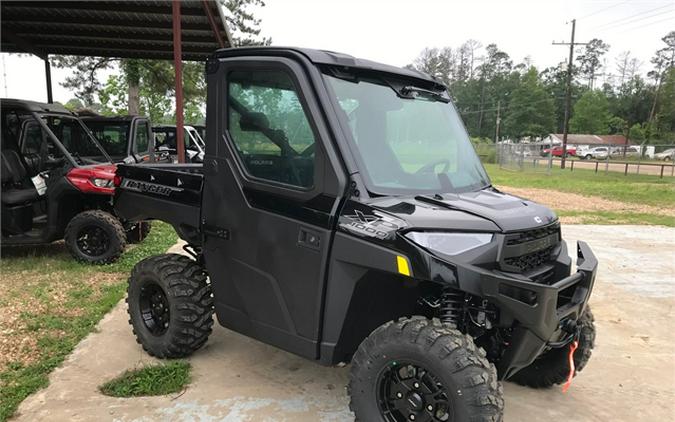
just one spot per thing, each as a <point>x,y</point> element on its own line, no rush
<point>484,210</point>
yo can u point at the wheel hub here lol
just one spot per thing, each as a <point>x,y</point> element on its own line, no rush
<point>409,392</point>
<point>93,241</point>
<point>154,309</point>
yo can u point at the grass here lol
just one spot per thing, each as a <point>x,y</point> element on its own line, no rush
<point>152,380</point>
<point>638,189</point>
<point>49,302</point>
<point>632,189</point>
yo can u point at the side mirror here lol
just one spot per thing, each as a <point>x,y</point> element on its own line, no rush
<point>253,122</point>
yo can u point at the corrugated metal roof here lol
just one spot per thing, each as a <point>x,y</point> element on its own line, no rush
<point>127,29</point>
<point>583,139</point>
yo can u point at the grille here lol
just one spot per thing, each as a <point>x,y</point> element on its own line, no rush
<point>527,236</point>
<point>530,261</point>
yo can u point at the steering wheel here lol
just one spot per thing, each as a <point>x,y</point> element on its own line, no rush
<point>429,168</point>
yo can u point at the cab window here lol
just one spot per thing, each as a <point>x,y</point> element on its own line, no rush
<point>142,140</point>
<point>269,127</point>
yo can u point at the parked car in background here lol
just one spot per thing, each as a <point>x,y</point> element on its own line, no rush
<point>165,142</point>
<point>57,183</point>
<point>666,155</point>
<point>558,151</point>
<point>620,153</point>
<point>127,139</point>
<point>597,153</point>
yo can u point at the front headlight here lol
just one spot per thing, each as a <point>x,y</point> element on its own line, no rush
<point>449,243</point>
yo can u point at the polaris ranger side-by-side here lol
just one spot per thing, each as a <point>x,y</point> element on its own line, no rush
<point>57,183</point>
<point>126,139</point>
<point>342,214</point>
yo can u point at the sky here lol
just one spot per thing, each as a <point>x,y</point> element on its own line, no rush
<point>395,31</point>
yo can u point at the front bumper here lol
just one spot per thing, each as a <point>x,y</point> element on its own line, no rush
<point>541,312</point>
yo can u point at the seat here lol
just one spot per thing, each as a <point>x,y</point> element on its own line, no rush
<point>13,176</point>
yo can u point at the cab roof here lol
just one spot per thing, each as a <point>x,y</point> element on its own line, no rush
<point>127,118</point>
<point>331,58</point>
<point>35,106</point>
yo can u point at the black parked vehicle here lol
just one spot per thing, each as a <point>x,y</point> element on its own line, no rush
<point>342,214</point>
<point>165,142</point>
<point>57,183</point>
<point>126,139</point>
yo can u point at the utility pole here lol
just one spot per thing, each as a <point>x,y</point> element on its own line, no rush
<point>568,94</point>
<point>499,120</point>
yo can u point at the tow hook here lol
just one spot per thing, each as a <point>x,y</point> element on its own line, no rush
<point>572,328</point>
<point>573,348</point>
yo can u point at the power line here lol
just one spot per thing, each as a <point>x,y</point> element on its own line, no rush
<point>602,10</point>
<point>631,18</point>
<point>627,29</point>
<point>511,106</point>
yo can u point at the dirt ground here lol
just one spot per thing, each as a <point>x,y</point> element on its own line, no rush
<point>631,376</point>
<point>565,201</point>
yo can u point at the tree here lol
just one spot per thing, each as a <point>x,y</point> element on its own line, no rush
<point>84,80</point>
<point>438,63</point>
<point>590,60</point>
<point>244,26</point>
<point>627,66</point>
<point>531,111</point>
<point>663,61</point>
<point>591,114</point>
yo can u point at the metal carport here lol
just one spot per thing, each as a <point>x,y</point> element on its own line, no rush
<point>167,30</point>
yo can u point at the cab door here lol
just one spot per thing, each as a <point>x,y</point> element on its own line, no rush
<point>272,186</point>
<point>142,136</point>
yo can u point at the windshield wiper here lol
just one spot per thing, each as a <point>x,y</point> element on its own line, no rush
<point>410,91</point>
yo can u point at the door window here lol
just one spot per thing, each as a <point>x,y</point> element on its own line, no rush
<point>142,140</point>
<point>269,127</point>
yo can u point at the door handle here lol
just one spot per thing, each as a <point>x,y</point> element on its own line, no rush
<point>309,239</point>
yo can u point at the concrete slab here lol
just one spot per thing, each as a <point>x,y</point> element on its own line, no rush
<point>631,376</point>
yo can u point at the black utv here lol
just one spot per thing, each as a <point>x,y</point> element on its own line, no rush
<point>126,139</point>
<point>57,183</point>
<point>165,142</point>
<point>342,214</point>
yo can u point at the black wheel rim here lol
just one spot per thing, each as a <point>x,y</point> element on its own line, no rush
<point>93,241</point>
<point>154,309</point>
<point>409,392</point>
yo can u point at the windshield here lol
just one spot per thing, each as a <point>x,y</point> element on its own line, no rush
<point>113,137</point>
<point>413,145</point>
<point>76,139</point>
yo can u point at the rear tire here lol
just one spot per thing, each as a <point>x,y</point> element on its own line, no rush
<point>170,305</point>
<point>552,367</point>
<point>416,368</point>
<point>139,231</point>
<point>95,237</point>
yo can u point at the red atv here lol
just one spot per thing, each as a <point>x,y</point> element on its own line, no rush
<point>57,183</point>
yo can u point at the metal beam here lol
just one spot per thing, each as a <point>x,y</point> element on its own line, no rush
<point>103,22</point>
<point>178,68</point>
<point>212,22</point>
<point>48,77</point>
